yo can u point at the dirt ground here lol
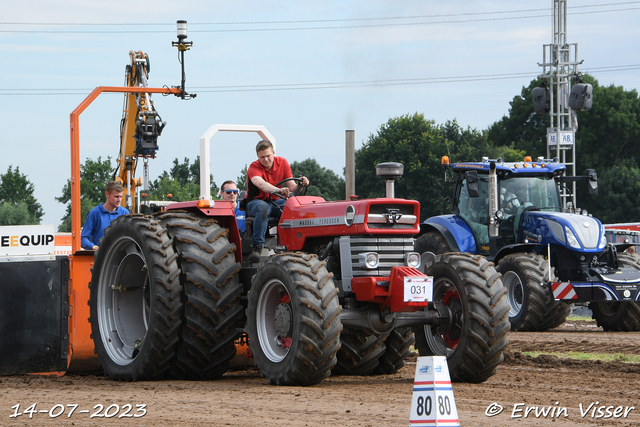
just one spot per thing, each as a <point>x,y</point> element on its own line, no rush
<point>242,398</point>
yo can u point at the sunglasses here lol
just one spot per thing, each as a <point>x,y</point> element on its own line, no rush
<point>231,191</point>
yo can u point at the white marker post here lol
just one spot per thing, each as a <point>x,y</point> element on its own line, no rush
<point>432,403</point>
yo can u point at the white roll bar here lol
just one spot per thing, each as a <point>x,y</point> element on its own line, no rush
<point>205,151</point>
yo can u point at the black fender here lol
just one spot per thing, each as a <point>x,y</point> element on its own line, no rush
<point>451,241</point>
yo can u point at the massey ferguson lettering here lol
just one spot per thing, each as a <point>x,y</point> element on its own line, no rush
<point>319,221</point>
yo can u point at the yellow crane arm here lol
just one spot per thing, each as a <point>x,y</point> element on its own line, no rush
<point>139,130</point>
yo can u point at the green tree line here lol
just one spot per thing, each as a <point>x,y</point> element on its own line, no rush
<point>607,140</point>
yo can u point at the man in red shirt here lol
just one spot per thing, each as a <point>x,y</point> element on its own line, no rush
<point>262,201</point>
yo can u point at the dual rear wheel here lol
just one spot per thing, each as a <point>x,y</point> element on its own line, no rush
<point>165,298</point>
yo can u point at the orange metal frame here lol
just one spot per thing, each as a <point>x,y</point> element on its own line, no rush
<point>81,348</point>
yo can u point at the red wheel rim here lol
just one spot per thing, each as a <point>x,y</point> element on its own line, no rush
<point>446,300</point>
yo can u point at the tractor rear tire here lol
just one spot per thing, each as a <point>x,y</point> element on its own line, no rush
<point>359,353</point>
<point>211,298</point>
<point>618,315</point>
<point>398,345</point>
<point>293,319</point>
<point>532,306</point>
<point>469,287</point>
<point>134,304</point>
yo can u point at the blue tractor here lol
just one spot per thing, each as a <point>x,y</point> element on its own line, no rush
<point>549,259</point>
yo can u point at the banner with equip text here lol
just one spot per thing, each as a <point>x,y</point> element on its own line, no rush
<point>27,240</point>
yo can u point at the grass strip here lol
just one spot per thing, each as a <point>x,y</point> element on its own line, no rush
<point>580,319</point>
<point>605,357</point>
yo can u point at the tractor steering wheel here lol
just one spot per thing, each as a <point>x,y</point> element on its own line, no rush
<point>300,191</point>
<point>509,208</point>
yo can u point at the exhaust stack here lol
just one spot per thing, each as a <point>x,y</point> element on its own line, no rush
<point>493,200</point>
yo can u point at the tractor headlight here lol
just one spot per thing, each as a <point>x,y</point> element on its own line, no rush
<point>369,260</point>
<point>412,259</point>
<point>571,238</point>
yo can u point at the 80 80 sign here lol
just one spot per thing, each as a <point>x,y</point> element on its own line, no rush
<point>425,405</point>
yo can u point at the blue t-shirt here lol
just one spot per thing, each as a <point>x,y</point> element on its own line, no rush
<point>240,217</point>
<point>97,220</point>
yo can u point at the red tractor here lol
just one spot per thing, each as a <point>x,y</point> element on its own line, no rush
<point>339,289</point>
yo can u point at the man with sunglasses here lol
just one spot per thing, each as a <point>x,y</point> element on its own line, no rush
<point>229,192</point>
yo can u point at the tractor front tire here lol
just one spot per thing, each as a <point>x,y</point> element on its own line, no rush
<point>470,289</point>
<point>212,293</point>
<point>135,300</point>
<point>532,306</point>
<point>618,315</point>
<point>293,319</point>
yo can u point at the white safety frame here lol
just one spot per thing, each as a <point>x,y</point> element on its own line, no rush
<point>205,151</point>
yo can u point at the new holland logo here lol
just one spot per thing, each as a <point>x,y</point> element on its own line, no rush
<point>392,216</point>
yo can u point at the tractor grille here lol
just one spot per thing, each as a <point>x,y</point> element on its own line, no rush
<point>379,216</point>
<point>391,251</point>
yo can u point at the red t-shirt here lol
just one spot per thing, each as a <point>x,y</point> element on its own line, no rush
<point>280,170</point>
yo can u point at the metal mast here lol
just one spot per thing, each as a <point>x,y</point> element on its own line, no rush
<point>559,63</point>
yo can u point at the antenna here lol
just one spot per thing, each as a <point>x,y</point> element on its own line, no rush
<point>183,46</point>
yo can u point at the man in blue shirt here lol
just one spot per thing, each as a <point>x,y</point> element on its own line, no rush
<point>229,192</point>
<point>102,215</point>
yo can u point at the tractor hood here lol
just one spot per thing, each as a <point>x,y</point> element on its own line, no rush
<point>307,217</point>
<point>576,232</point>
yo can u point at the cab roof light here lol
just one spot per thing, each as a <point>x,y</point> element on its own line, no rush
<point>527,159</point>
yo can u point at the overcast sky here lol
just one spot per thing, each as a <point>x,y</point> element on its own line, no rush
<point>307,71</point>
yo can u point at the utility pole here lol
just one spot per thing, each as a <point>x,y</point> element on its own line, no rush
<point>559,64</point>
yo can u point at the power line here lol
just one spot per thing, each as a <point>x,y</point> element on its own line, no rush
<point>397,24</point>
<point>386,18</point>
<point>325,85</point>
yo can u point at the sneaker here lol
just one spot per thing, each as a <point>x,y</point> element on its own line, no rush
<point>254,257</point>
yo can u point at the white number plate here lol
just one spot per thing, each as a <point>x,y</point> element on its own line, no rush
<point>418,289</point>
